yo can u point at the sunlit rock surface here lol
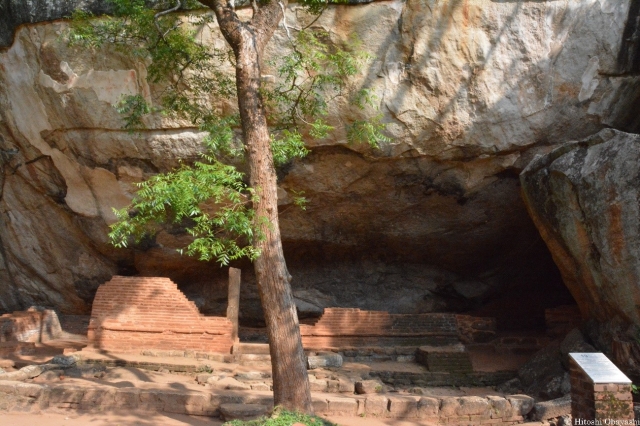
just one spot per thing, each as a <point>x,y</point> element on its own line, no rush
<point>585,199</point>
<point>470,90</point>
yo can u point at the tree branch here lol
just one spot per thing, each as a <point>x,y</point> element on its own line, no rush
<point>166,12</point>
<point>229,23</point>
<point>284,20</point>
<point>266,21</point>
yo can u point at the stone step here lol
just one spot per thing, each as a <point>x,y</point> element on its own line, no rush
<point>254,359</point>
<point>251,348</point>
<point>230,412</point>
<point>32,397</point>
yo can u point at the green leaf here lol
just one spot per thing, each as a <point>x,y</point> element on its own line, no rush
<point>133,108</point>
<point>287,147</point>
<point>368,131</point>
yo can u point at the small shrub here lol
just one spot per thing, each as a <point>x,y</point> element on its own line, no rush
<point>204,369</point>
<point>282,417</point>
<point>610,407</point>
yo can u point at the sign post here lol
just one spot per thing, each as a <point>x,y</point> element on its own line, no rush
<point>600,392</point>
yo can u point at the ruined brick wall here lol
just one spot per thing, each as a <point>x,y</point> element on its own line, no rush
<point>352,327</point>
<point>476,329</point>
<point>135,313</point>
<point>562,319</point>
<point>33,325</point>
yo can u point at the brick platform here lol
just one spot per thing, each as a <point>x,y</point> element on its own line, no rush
<point>451,359</point>
<point>134,313</point>
<point>352,327</point>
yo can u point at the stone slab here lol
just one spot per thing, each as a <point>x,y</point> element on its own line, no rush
<point>323,360</point>
<point>342,406</point>
<point>251,348</point>
<point>242,411</point>
<point>552,409</point>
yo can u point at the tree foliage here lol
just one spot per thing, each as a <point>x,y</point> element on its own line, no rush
<point>210,199</point>
<point>282,417</point>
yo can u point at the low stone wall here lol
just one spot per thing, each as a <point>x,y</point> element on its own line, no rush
<point>492,410</point>
<point>379,353</point>
<point>33,325</point>
<point>429,378</point>
<point>340,328</point>
<point>135,313</point>
<point>465,410</point>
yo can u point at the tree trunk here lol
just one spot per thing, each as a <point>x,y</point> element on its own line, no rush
<point>290,379</point>
<point>248,39</point>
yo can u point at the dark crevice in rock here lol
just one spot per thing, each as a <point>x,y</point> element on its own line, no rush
<point>38,158</point>
<point>629,53</point>
<point>10,301</point>
<point>624,115</point>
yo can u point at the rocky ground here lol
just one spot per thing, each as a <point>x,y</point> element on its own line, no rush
<point>79,392</point>
<point>106,419</point>
<point>144,419</point>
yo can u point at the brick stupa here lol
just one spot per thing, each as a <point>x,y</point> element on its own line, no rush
<point>130,314</point>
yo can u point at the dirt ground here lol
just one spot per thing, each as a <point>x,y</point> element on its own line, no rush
<point>147,419</point>
<point>105,419</point>
<point>152,419</point>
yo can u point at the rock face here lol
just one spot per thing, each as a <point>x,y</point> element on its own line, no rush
<point>16,12</point>
<point>470,92</point>
<point>584,198</point>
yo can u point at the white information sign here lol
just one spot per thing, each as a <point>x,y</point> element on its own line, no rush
<point>599,368</point>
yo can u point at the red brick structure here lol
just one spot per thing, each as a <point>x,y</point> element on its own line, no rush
<point>476,329</point>
<point>351,327</point>
<point>33,325</point>
<point>562,319</point>
<point>134,313</point>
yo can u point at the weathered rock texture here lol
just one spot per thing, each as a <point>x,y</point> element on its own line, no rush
<point>135,313</point>
<point>584,198</point>
<point>14,13</point>
<point>470,91</point>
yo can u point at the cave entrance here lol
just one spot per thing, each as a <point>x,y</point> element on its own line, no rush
<point>532,297</point>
